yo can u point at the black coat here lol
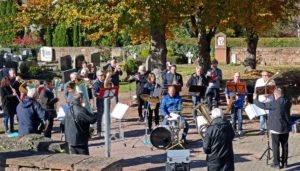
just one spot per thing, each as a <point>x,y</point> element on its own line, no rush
<point>47,99</point>
<point>30,115</point>
<point>217,144</point>
<point>279,114</point>
<point>77,124</point>
<point>194,80</point>
<point>9,101</point>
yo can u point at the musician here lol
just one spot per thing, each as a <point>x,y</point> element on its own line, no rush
<point>9,103</point>
<point>279,124</point>
<point>237,107</point>
<point>264,97</point>
<point>98,84</point>
<point>31,113</point>
<point>172,102</point>
<point>197,79</point>
<point>154,90</point>
<point>48,101</point>
<point>141,79</point>
<point>117,72</point>
<point>84,66</point>
<point>77,124</point>
<point>217,143</point>
<point>214,76</point>
<point>173,78</point>
<point>68,91</point>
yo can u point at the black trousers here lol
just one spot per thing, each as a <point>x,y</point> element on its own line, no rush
<point>79,149</point>
<point>150,115</point>
<point>280,139</point>
<point>213,97</point>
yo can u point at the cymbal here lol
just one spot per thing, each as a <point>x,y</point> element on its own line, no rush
<point>151,99</point>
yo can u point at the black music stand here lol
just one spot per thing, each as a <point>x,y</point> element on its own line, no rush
<point>268,89</point>
<point>177,87</point>
<point>197,89</point>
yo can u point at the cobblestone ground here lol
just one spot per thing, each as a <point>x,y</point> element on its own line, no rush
<point>139,154</point>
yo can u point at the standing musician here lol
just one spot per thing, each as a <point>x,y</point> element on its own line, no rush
<point>98,84</point>
<point>279,122</point>
<point>237,105</point>
<point>115,78</point>
<point>9,103</point>
<point>154,90</point>
<point>172,102</point>
<point>31,113</point>
<point>173,78</point>
<point>68,91</point>
<point>197,79</point>
<point>84,66</point>
<point>141,79</point>
<point>214,76</point>
<point>264,97</point>
<point>48,101</point>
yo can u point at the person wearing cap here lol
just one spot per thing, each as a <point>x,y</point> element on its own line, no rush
<point>141,79</point>
<point>214,76</point>
<point>31,114</point>
<point>77,124</point>
<point>98,84</point>
<point>48,101</point>
<point>217,143</point>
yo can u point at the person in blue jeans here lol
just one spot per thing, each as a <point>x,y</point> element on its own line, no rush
<point>172,102</point>
<point>237,107</point>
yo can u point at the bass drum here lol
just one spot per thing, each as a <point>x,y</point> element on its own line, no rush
<point>161,137</point>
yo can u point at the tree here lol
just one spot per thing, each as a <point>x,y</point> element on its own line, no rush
<point>257,17</point>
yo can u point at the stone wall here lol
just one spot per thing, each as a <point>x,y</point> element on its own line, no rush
<point>271,56</point>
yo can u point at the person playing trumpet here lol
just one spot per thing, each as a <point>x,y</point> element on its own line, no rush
<point>48,101</point>
<point>236,105</point>
<point>68,90</point>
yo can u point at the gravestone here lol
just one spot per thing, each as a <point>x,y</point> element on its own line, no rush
<point>78,61</point>
<point>95,59</point>
<point>65,63</point>
<point>47,54</point>
<point>221,48</point>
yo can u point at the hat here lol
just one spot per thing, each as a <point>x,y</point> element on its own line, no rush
<point>99,72</point>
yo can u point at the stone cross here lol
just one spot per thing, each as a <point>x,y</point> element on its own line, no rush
<point>189,55</point>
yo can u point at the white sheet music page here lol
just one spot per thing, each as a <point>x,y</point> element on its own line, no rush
<point>119,110</point>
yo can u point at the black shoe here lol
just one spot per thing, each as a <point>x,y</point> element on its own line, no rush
<point>284,165</point>
<point>140,120</point>
<point>261,132</point>
<point>275,166</point>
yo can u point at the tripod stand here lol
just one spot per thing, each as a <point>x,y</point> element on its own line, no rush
<point>267,151</point>
<point>146,139</point>
<point>179,140</point>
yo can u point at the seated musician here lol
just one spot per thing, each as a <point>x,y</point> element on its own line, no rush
<point>31,113</point>
<point>173,78</point>
<point>153,89</point>
<point>214,76</point>
<point>172,102</point>
<point>235,105</point>
<point>197,79</point>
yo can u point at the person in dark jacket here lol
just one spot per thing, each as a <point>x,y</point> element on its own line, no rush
<point>141,79</point>
<point>217,143</point>
<point>279,125</point>
<point>77,124</point>
<point>173,78</point>
<point>155,91</point>
<point>9,103</point>
<point>48,102</point>
<point>31,114</point>
<point>117,72</point>
<point>197,79</point>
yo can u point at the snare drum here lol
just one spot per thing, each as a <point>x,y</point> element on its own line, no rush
<point>161,137</point>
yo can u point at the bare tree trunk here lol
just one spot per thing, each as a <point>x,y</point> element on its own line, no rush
<point>158,48</point>
<point>252,41</point>
<point>204,41</point>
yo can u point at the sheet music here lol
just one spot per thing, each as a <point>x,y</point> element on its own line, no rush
<point>157,92</point>
<point>253,111</point>
<point>119,110</point>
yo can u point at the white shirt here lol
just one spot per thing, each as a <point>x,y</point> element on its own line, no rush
<point>264,98</point>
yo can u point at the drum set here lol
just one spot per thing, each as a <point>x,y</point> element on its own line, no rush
<point>169,136</point>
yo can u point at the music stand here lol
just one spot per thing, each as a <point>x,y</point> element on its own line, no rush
<point>239,87</point>
<point>177,87</point>
<point>197,89</point>
<point>268,89</point>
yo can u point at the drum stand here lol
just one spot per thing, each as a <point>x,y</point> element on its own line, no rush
<point>267,151</point>
<point>179,139</point>
<point>146,139</point>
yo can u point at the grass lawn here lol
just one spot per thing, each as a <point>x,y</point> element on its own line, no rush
<point>228,71</point>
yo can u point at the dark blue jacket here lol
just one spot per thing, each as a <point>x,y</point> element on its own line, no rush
<point>30,114</point>
<point>168,79</point>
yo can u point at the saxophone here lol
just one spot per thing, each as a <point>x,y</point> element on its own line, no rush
<point>174,82</point>
<point>107,81</point>
<point>231,102</point>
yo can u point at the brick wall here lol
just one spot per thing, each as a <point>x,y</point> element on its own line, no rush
<point>271,56</point>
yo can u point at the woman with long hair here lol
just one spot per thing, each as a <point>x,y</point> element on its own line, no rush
<point>9,103</point>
